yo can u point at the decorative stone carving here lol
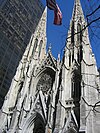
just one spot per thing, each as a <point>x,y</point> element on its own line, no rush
<point>75,71</point>
<point>45,83</point>
<point>49,61</point>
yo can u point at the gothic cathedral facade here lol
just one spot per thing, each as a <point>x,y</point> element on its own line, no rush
<point>55,96</point>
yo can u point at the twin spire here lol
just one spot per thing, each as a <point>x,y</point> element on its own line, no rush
<point>77,11</point>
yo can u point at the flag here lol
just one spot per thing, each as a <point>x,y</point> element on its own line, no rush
<point>51,4</point>
<point>57,16</point>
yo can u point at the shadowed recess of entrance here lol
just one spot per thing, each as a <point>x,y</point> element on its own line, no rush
<point>39,125</point>
<point>34,124</point>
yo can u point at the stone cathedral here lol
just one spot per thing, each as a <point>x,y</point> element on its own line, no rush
<point>55,96</point>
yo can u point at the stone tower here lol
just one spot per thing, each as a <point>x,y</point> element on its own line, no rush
<point>53,96</point>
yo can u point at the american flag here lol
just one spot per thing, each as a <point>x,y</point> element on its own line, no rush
<point>58,16</point>
<point>51,4</point>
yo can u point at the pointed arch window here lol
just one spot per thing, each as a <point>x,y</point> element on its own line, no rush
<point>69,59</point>
<point>35,46</point>
<point>72,55</point>
<point>40,46</point>
<point>72,33</point>
<point>78,57</point>
<point>79,35</point>
<point>80,54</point>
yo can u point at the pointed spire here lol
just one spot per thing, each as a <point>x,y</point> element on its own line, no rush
<point>77,11</point>
<point>41,28</point>
<point>77,18</point>
<point>22,69</point>
<point>40,33</point>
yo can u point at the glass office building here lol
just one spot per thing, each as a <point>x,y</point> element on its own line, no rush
<point>18,20</point>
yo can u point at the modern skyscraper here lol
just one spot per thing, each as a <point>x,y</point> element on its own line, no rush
<point>18,20</point>
<point>53,96</point>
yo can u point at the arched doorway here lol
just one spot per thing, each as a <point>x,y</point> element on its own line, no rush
<point>39,125</point>
<point>34,124</point>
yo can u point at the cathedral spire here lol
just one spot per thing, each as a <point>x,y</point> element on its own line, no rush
<point>41,28</point>
<point>20,85</point>
<point>75,35</point>
<point>76,24</point>
<point>77,10</point>
<point>40,37</point>
<point>35,51</point>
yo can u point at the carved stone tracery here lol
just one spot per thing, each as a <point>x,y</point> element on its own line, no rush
<point>75,72</point>
<point>45,83</point>
<point>48,62</point>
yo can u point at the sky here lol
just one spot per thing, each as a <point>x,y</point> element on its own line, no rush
<point>56,35</point>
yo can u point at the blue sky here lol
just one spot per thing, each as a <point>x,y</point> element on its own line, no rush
<point>56,35</point>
